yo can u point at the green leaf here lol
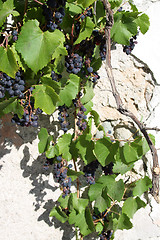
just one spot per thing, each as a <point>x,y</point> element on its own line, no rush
<point>86,3</point>
<point>64,146</point>
<point>124,27</point>
<point>70,90</point>
<point>43,140</point>
<point>115,190</point>
<point>101,204</point>
<point>86,29</point>
<point>102,150</point>
<point>88,93</point>
<point>73,174</point>
<point>52,151</point>
<point>120,167</point>
<point>45,98</point>
<point>49,82</point>
<point>74,9</point>
<point>63,201</point>
<point>32,43</point>
<point>99,227</point>
<point>8,62</point>
<point>95,191</point>
<point>142,186</point>
<point>95,117</point>
<point>143,22</point>
<point>59,214</point>
<point>145,145</point>
<point>14,107</point>
<point>100,11</point>
<point>6,10</point>
<point>79,204</point>
<point>131,205</point>
<point>85,148</point>
<point>80,221</point>
<point>124,222</point>
<point>130,153</point>
<point>89,219</point>
<point>4,104</point>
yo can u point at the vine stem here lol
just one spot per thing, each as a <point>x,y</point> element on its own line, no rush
<point>25,6</point>
<point>120,108</point>
<point>38,2</point>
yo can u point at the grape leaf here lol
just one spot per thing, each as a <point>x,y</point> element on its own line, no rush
<point>130,153</point>
<point>88,93</point>
<point>5,104</point>
<point>102,150</point>
<point>99,227</point>
<point>73,174</point>
<point>86,30</point>
<point>74,9</point>
<point>43,140</point>
<point>101,204</point>
<point>85,146</point>
<point>79,219</point>
<point>32,43</point>
<point>142,186</point>
<point>45,98</point>
<point>143,22</point>
<point>59,214</point>
<point>124,27</point>
<point>131,205</point>
<point>6,10</point>
<point>64,146</point>
<point>52,151</point>
<point>70,90</point>
<point>120,167</point>
<point>14,107</point>
<point>124,222</point>
<point>116,190</point>
<point>86,3</point>
<point>8,62</point>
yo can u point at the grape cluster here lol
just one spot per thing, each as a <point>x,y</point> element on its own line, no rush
<point>128,48</point>
<point>87,12</point>
<point>29,117</point>
<point>93,77</point>
<point>80,114</point>
<point>108,169</point>
<point>56,77</point>
<point>60,175</point>
<point>106,235</point>
<point>15,35</point>
<point>54,17</point>
<point>10,86</point>
<point>47,163</point>
<point>90,170</point>
<point>62,117</point>
<point>103,49</point>
<point>74,63</point>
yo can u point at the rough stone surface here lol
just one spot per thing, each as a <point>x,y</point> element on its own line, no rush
<point>28,192</point>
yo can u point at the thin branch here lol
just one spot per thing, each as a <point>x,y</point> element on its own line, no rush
<point>120,108</point>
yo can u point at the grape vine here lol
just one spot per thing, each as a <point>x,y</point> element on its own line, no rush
<point>50,56</point>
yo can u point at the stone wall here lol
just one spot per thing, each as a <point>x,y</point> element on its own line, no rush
<point>28,192</point>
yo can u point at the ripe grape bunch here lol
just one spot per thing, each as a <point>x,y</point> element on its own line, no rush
<point>15,35</point>
<point>56,77</point>
<point>29,117</point>
<point>60,175</point>
<point>62,117</point>
<point>80,114</point>
<point>106,235</point>
<point>129,48</point>
<point>11,87</point>
<point>90,170</point>
<point>74,63</point>
<point>54,13</point>
<point>87,12</point>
